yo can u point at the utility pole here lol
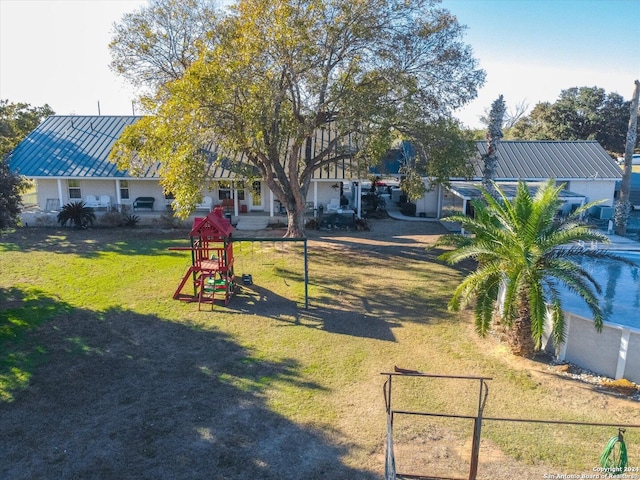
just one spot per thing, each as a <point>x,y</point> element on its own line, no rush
<point>623,204</point>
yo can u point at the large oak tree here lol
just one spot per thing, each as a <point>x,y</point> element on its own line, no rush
<point>290,87</point>
<point>580,113</point>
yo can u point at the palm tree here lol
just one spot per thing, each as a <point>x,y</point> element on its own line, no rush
<point>77,213</point>
<point>523,255</point>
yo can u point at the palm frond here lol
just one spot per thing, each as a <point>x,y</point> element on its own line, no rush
<point>538,311</point>
<point>558,323</point>
<point>485,306</point>
<point>476,281</point>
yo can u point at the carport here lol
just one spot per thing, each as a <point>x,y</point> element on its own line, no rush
<point>461,193</point>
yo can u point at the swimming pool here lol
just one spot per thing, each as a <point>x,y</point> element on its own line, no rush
<point>620,298</point>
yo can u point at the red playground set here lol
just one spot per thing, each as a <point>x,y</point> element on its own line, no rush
<point>211,271</point>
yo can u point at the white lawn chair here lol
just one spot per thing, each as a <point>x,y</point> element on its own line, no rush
<point>91,201</point>
<point>333,205</point>
<point>105,202</point>
<point>207,204</point>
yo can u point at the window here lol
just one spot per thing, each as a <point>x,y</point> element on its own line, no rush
<point>239,186</point>
<point>124,189</point>
<point>224,190</point>
<point>74,189</point>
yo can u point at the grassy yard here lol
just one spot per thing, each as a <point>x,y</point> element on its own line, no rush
<point>103,375</point>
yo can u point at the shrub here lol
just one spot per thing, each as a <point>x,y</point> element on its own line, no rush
<point>167,220</point>
<point>130,220</point>
<point>112,219</point>
<point>312,224</point>
<point>76,213</point>
<point>361,225</point>
<point>11,186</point>
<point>408,209</point>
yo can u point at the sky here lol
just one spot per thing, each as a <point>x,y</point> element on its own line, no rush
<point>56,51</point>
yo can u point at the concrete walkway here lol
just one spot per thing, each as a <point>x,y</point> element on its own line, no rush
<point>616,241</point>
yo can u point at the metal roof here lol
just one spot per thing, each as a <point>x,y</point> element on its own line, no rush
<point>79,146</point>
<point>539,160</point>
<point>469,190</point>
<point>73,146</point>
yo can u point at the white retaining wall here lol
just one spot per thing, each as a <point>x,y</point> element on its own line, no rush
<point>614,352</point>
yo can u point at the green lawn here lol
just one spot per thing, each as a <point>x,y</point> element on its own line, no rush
<point>94,349</point>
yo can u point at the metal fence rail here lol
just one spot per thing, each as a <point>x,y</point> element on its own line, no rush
<point>429,445</point>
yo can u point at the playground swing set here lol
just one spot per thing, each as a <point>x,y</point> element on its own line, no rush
<point>211,273</point>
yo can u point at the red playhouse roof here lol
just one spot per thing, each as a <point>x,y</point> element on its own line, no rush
<point>214,226</point>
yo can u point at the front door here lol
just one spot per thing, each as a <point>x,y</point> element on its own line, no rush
<point>256,195</point>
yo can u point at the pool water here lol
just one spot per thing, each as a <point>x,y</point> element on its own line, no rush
<point>620,298</point>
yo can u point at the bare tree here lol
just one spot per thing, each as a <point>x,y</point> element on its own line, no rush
<point>511,115</point>
<point>156,44</point>
<point>623,205</point>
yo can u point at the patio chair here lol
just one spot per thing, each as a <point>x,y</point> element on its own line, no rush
<point>91,201</point>
<point>333,205</point>
<point>105,202</point>
<point>207,204</point>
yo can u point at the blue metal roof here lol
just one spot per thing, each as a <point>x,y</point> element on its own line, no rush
<point>73,146</point>
<point>79,146</point>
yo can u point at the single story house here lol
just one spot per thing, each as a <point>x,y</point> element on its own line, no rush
<point>585,169</point>
<point>67,157</point>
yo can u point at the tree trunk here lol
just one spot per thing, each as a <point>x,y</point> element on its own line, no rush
<point>519,335</point>
<point>295,222</point>
<point>623,205</point>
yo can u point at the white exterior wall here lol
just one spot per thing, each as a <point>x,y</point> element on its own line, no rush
<point>58,189</point>
<point>428,204</point>
<point>325,193</point>
<point>594,190</point>
<point>47,189</point>
<point>146,188</point>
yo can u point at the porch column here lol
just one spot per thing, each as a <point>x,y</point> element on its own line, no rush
<point>359,199</point>
<point>464,212</point>
<point>271,200</point>
<point>118,197</point>
<point>236,210</point>
<point>60,201</point>
<point>439,207</point>
<point>315,199</point>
